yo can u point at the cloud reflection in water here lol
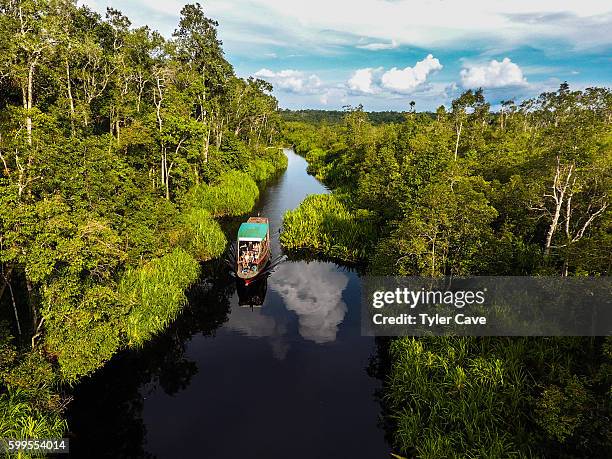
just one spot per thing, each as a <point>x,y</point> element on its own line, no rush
<point>314,292</point>
<point>252,322</point>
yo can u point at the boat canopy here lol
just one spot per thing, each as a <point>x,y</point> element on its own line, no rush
<point>253,232</point>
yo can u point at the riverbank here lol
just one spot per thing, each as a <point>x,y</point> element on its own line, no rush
<point>459,203</point>
<point>146,298</point>
<point>301,351</point>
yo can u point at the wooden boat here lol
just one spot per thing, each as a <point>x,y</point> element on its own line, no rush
<point>253,248</point>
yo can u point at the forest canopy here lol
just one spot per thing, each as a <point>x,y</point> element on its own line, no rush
<point>106,131</point>
<point>524,190</point>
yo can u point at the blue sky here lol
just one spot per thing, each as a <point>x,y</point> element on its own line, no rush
<point>385,53</point>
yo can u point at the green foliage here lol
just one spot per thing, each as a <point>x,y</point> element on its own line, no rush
<point>119,124</point>
<point>444,231</point>
<point>454,394</point>
<point>560,410</point>
<point>509,397</point>
<point>260,170</point>
<point>200,235</point>
<point>264,168</point>
<point>82,326</point>
<point>233,193</point>
<point>20,419</point>
<point>154,293</point>
<point>336,116</point>
<point>324,225</point>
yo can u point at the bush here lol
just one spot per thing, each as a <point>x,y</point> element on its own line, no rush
<point>155,294</point>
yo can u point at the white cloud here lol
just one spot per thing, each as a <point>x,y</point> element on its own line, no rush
<point>379,46</point>
<point>394,81</point>
<point>426,23</point>
<point>423,23</point>
<point>293,81</point>
<point>334,95</point>
<point>495,74</point>
<point>361,81</point>
<point>408,79</point>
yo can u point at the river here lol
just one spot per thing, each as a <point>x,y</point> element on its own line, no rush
<point>288,379</point>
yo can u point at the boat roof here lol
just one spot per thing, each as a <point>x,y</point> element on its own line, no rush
<point>253,231</point>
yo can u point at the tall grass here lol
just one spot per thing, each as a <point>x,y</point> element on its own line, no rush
<point>233,193</point>
<point>500,396</point>
<point>458,397</point>
<point>263,169</point>
<point>199,234</point>
<point>324,225</point>
<point>20,419</point>
<point>155,293</point>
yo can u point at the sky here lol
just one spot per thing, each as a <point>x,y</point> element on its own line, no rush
<point>383,54</point>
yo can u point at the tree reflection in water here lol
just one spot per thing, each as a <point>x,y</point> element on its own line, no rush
<point>302,352</point>
<point>108,407</point>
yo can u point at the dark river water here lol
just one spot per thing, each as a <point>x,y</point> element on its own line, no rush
<point>287,380</point>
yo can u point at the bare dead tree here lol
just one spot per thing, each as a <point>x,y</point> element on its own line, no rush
<point>563,211</point>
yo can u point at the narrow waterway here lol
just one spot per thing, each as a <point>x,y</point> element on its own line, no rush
<point>287,379</point>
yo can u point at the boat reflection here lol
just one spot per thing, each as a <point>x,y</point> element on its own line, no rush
<point>252,294</point>
<point>311,292</point>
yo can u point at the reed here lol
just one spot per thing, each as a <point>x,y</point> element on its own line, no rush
<point>233,193</point>
<point>324,225</point>
<point>21,419</point>
<point>199,234</point>
<point>155,294</point>
<point>457,394</point>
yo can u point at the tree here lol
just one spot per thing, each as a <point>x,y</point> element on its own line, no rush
<point>473,101</point>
